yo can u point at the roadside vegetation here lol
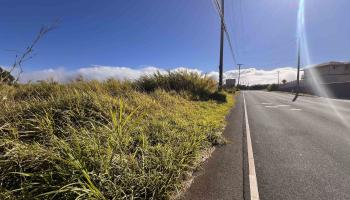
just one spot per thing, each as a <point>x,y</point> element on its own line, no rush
<point>107,140</point>
<point>272,87</point>
<point>268,87</point>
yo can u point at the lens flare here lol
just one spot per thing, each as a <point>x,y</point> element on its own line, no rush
<point>314,80</point>
<point>301,34</point>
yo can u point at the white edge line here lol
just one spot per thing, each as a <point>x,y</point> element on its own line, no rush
<point>253,183</point>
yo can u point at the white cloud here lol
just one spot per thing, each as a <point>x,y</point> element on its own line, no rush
<point>122,73</point>
<point>89,73</point>
<point>257,76</point>
<point>187,69</point>
<point>251,75</point>
<point>59,74</point>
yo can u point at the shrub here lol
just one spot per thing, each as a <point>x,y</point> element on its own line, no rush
<point>218,96</point>
<point>231,90</point>
<point>272,87</point>
<point>6,77</point>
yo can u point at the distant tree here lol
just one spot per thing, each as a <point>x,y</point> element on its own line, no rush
<point>284,81</point>
<point>6,77</point>
<point>259,87</point>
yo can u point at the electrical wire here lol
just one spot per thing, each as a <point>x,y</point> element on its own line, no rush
<point>219,12</point>
<point>228,37</point>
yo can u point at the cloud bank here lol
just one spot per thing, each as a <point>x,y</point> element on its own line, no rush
<point>254,76</point>
<point>248,76</point>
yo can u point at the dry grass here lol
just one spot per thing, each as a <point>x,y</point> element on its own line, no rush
<point>92,140</point>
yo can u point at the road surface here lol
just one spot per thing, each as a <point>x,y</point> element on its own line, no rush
<point>301,149</point>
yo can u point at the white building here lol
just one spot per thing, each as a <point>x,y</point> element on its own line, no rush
<point>334,77</point>
<point>328,73</point>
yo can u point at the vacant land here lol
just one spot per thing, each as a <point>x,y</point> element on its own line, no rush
<point>109,140</point>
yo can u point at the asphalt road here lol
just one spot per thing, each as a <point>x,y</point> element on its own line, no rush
<point>301,149</point>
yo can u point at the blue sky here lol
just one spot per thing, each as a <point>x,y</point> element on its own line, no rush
<point>171,33</point>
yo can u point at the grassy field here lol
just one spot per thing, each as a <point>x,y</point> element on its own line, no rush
<point>109,140</point>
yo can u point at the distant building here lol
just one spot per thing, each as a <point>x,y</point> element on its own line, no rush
<point>328,73</point>
<point>334,77</point>
<point>230,82</point>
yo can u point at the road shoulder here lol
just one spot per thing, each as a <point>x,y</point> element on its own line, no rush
<point>221,176</point>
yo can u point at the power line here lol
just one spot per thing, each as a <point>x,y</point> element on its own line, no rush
<point>218,8</point>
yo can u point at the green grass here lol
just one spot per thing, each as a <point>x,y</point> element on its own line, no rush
<point>110,140</point>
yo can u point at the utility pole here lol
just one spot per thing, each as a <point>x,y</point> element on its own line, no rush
<point>297,88</point>
<point>239,74</point>
<point>221,65</point>
<point>278,79</point>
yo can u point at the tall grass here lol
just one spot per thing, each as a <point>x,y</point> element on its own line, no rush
<point>196,86</point>
<point>92,140</point>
